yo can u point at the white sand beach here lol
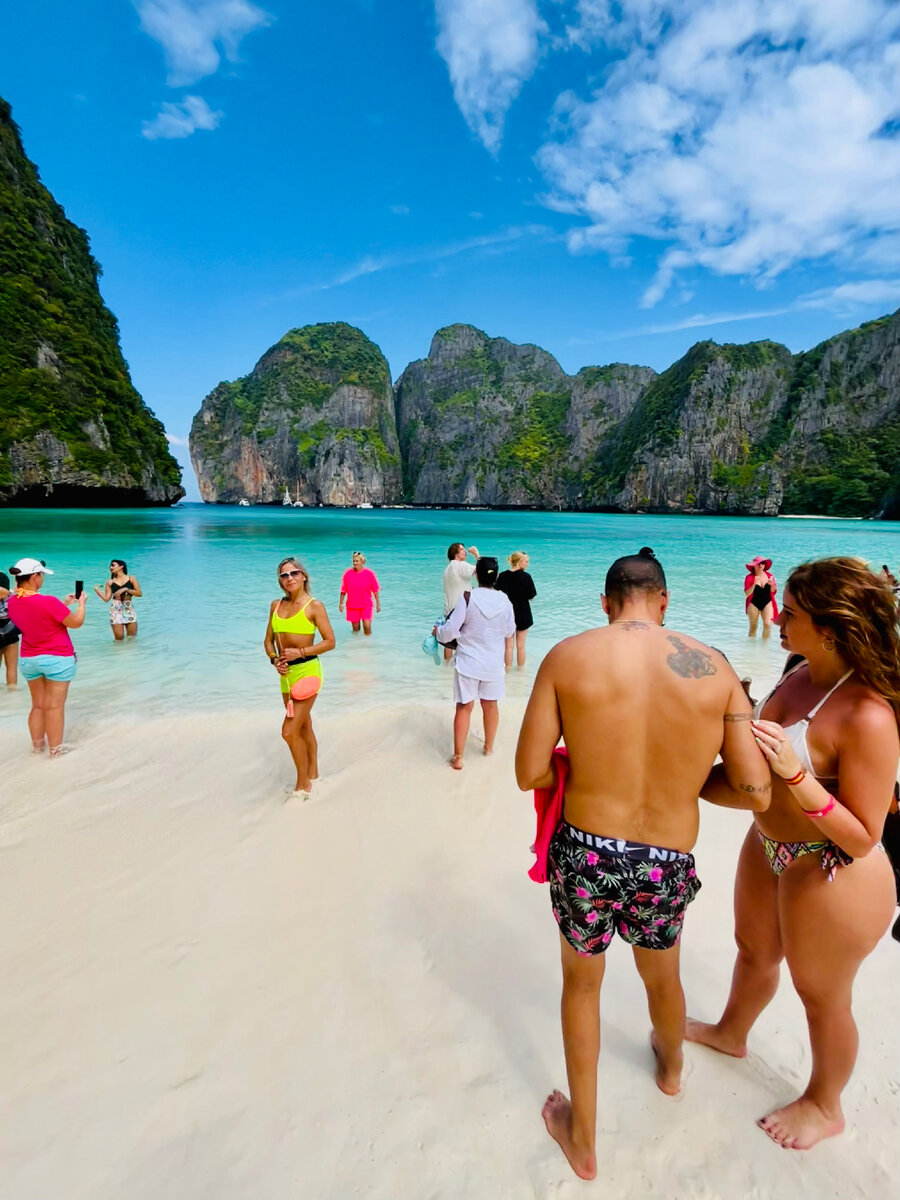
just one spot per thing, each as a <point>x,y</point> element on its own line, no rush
<point>210,993</point>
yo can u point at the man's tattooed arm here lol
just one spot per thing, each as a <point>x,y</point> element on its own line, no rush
<point>743,716</point>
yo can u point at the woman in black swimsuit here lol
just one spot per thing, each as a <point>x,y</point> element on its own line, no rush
<point>519,587</point>
<point>759,595</point>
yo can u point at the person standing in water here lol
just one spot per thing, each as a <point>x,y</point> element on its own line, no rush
<point>359,587</point>
<point>118,592</point>
<point>518,585</point>
<point>9,635</point>
<point>291,646</point>
<point>759,595</point>
<point>48,656</point>
<point>620,862</point>
<point>457,578</point>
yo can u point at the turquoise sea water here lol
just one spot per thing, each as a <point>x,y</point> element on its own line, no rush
<point>208,575</point>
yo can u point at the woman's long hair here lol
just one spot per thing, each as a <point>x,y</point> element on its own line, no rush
<point>859,610</point>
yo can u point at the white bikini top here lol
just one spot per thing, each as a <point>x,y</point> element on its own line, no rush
<point>796,733</point>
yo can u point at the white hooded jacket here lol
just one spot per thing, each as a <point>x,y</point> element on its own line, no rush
<point>481,627</point>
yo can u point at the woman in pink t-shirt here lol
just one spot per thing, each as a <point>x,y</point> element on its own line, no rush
<point>359,588</point>
<point>47,654</point>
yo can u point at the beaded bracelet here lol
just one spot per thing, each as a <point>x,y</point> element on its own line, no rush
<point>822,812</point>
<point>798,778</point>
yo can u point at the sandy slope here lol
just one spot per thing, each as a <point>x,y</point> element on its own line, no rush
<point>208,993</point>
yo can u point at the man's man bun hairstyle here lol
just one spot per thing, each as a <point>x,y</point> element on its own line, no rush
<point>641,572</point>
<point>486,570</point>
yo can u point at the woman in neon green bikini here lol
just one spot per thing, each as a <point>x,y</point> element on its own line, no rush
<point>292,649</point>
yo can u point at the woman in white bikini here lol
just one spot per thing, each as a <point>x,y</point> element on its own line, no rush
<point>813,884</point>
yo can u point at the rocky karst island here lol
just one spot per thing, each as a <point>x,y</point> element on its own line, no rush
<point>73,430</point>
<point>481,421</point>
<point>731,429</point>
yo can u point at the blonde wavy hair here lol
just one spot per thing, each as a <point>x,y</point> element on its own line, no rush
<point>516,557</point>
<point>859,610</point>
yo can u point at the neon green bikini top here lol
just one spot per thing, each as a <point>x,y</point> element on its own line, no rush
<point>298,623</point>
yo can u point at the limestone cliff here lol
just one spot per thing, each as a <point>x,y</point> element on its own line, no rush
<point>315,416</point>
<point>73,430</point>
<point>743,429</point>
<point>753,429</point>
<point>484,421</point>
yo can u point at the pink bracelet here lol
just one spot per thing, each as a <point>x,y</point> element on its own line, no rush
<point>822,812</point>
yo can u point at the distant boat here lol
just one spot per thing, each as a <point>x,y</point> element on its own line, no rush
<point>365,504</point>
<point>286,500</point>
<point>298,503</point>
<point>243,502</point>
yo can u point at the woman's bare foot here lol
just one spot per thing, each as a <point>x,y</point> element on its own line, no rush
<point>668,1072</point>
<point>710,1035</point>
<point>455,761</point>
<point>557,1114</point>
<point>800,1125</point>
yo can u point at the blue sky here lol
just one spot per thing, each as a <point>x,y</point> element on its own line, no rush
<point>614,181</point>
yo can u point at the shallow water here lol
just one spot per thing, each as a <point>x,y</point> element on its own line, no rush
<point>208,575</point>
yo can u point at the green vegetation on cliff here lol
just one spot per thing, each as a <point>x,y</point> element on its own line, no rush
<point>61,367</point>
<point>304,369</point>
<point>728,428</point>
<point>315,414</point>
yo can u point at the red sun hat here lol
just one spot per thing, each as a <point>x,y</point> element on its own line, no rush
<point>759,561</point>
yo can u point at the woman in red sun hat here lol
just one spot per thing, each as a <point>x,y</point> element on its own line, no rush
<point>759,595</point>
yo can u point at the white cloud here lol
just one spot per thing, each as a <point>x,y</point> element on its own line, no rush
<point>370,264</point>
<point>490,48</point>
<point>181,120</point>
<point>744,136</point>
<point>842,298</point>
<point>174,440</point>
<point>400,210</point>
<point>194,34</point>
<point>866,292</point>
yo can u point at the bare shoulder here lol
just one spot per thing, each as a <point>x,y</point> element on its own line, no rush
<point>572,648</point>
<point>868,714</point>
<point>692,659</point>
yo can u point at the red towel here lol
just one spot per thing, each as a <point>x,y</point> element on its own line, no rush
<point>548,806</point>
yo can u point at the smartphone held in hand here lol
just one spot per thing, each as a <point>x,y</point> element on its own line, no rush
<point>79,588</point>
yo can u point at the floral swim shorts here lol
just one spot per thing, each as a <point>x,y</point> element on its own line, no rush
<point>600,886</point>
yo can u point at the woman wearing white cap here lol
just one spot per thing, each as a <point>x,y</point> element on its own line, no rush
<point>47,655</point>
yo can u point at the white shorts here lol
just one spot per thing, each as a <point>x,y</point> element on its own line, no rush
<point>466,688</point>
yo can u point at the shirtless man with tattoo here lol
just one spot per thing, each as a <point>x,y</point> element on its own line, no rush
<point>644,712</point>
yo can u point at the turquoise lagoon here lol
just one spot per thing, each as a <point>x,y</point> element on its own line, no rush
<point>208,575</point>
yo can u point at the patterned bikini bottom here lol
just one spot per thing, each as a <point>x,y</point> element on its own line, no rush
<point>782,854</point>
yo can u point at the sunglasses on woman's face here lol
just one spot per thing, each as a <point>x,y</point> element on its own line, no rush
<point>289,574</point>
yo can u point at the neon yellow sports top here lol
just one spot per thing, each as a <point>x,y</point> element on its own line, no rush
<point>299,623</point>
